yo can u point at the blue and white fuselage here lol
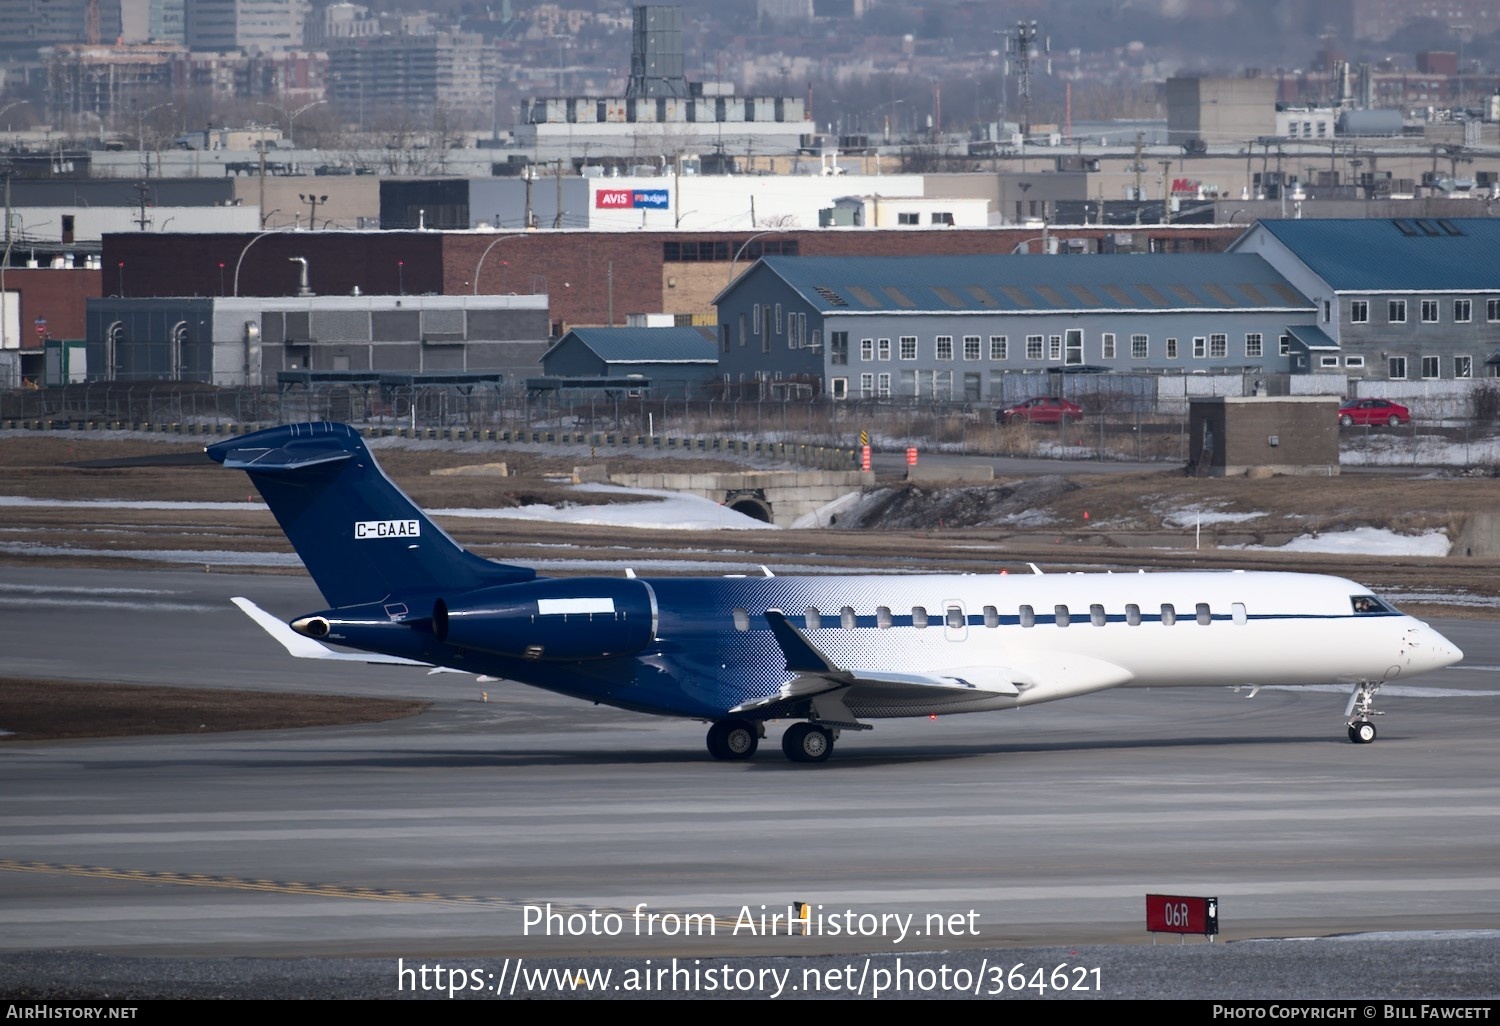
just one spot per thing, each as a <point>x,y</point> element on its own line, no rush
<point>830,651</point>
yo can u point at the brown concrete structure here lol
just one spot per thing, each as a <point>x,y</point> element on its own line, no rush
<point>592,278</point>
<point>1254,435</point>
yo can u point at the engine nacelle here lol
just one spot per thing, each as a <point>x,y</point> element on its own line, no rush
<point>551,620</point>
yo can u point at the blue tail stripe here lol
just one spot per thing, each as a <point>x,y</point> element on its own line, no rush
<point>359,536</point>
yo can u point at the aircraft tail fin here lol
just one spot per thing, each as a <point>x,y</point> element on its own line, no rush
<point>359,536</point>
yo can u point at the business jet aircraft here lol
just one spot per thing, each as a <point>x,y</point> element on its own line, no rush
<point>826,652</point>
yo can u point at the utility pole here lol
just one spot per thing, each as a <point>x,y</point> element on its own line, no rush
<point>1022,45</point>
<point>143,222</point>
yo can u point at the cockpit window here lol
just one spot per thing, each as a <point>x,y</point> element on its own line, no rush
<point>1365,604</point>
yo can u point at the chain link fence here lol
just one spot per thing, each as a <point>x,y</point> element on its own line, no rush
<point>1122,426</point>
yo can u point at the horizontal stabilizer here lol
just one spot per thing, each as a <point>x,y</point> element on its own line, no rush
<point>306,648</point>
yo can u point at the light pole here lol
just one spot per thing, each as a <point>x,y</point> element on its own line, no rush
<point>312,200</point>
<point>739,252</point>
<point>291,117</point>
<point>241,260</point>
<point>140,136</point>
<point>480,263</point>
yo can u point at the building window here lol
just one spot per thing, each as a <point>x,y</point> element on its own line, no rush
<point>1463,366</point>
<point>742,328</point>
<point>973,383</point>
<point>1463,311</point>
<point>1397,368</point>
<point>1327,310</point>
<point>945,347</point>
<point>942,217</point>
<point>1033,347</point>
<point>840,388</point>
<point>1359,311</point>
<point>755,313</point>
<point>1429,311</point>
<point>1354,361</point>
<point>972,350</point>
<point>1171,345</point>
<point>1255,346</point>
<point>883,348</point>
<point>1108,348</point>
<point>838,348</point>
<point>1395,311</point>
<point>999,348</point>
<point>1284,345</point>
<point>909,218</point>
<point>1054,347</point>
<point>866,350</point>
<point>1432,367</point>
<point>778,318</point>
<point>1218,347</point>
<point>908,347</point>
<point>867,386</point>
<point>1328,361</point>
<point>883,386</point>
<point>1200,347</point>
<point>1492,310</point>
<point>1140,347</point>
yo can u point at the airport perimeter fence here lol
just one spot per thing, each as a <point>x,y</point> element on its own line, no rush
<point>809,431</point>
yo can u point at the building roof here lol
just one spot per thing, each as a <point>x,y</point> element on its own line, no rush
<point>1408,254</point>
<point>644,345</point>
<point>1033,283</point>
<point>1312,337</point>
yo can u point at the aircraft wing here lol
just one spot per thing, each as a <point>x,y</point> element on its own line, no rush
<point>817,675</point>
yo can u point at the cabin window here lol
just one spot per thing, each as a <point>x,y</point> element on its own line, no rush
<point>1366,604</point>
<point>1028,616</point>
<point>1240,616</point>
<point>1061,615</point>
<point>741,620</point>
<point>1133,614</point>
<point>813,618</point>
<point>919,616</point>
<point>883,617</point>
<point>991,616</point>
<point>1204,616</point>
<point>1096,615</point>
<point>1168,614</point>
<point>846,617</point>
<point>956,618</point>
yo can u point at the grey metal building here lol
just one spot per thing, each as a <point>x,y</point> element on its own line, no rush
<point>252,340</point>
<point>1396,299</point>
<point>972,327</point>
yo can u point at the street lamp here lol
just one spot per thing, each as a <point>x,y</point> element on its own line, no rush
<point>480,263</point>
<point>312,200</point>
<point>291,117</point>
<point>740,252</point>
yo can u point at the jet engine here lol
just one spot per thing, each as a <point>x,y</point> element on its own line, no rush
<point>551,620</point>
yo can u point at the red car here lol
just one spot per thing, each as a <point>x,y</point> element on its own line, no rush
<point>1373,413</point>
<point>1044,409</point>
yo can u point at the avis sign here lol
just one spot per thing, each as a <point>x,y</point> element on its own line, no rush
<point>1176,913</point>
<point>632,199</point>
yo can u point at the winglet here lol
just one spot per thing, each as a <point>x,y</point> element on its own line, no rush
<point>802,656</point>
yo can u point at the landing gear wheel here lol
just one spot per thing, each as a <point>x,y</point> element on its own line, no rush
<point>1362,732</point>
<point>807,742</point>
<point>733,740</point>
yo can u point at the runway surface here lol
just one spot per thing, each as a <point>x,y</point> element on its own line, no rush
<point>438,838</point>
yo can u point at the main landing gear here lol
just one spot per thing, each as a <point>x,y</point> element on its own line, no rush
<point>1361,707</point>
<point>735,740</point>
<point>807,742</point>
